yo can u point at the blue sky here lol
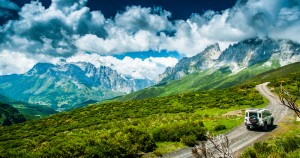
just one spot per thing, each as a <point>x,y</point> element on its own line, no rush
<point>136,38</point>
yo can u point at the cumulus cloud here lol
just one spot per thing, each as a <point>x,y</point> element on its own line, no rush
<point>18,62</point>
<point>131,67</point>
<point>68,27</point>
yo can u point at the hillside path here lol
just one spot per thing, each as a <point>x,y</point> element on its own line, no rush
<point>240,137</point>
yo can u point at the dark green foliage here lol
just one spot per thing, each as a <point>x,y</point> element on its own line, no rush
<point>31,111</point>
<point>286,146</point>
<point>189,140</point>
<point>10,115</point>
<point>177,131</point>
<point>220,127</point>
<point>120,129</point>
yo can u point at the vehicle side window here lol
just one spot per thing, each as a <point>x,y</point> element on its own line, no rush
<point>246,114</point>
<point>264,114</point>
<point>259,115</point>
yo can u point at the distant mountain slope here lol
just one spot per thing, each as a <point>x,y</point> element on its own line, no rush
<point>205,80</point>
<point>237,57</point>
<point>10,115</point>
<point>279,73</point>
<point>213,69</point>
<point>68,85</point>
<point>30,111</point>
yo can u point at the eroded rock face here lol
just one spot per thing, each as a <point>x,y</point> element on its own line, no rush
<point>237,57</point>
<point>67,84</point>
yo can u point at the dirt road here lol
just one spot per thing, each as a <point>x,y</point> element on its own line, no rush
<point>240,137</point>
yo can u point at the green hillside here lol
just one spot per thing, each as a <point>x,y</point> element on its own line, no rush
<point>220,79</point>
<point>10,115</point>
<point>282,73</point>
<point>30,111</point>
<point>131,128</point>
<point>4,99</point>
<point>284,143</point>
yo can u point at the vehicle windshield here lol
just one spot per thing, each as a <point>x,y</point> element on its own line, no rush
<point>253,114</point>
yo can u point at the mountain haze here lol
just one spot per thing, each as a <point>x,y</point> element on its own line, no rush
<point>66,85</point>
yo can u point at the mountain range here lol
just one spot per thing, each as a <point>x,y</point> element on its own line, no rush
<point>216,69</point>
<point>68,85</point>
<point>237,57</point>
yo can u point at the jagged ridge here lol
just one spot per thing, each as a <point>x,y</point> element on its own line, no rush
<point>66,85</point>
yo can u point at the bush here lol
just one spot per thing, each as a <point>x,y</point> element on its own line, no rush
<point>189,140</point>
<point>220,127</point>
<point>174,132</point>
<point>287,146</point>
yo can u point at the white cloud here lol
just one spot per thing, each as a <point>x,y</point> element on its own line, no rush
<point>14,62</point>
<point>136,18</point>
<point>132,67</point>
<point>68,27</point>
<point>118,43</point>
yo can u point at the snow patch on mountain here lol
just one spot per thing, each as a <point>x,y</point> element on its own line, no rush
<point>237,57</point>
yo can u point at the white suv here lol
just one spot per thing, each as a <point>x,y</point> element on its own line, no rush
<point>255,118</point>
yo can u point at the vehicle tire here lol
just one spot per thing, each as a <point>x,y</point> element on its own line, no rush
<point>248,128</point>
<point>265,127</point>
<point>272,123</point>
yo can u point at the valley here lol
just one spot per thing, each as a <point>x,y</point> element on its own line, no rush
<point>145,79</point>
<point>161,123</point>
<point>86,130</point>
<point>153,121</point>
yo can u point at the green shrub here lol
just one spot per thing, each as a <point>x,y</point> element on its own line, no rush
<point>174,132</point>
<point>286,146</point>
<point>220,127</point>
<point>189,140</point>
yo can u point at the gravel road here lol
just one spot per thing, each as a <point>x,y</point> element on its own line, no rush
<point>240,137</point>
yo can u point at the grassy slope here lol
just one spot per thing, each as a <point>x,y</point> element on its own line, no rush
<point>282,73</point>
<point>30,111</point>
<point>286,144</point>
<point>106,129</point>
<point>10,115</point>
<point>198,81</point>
<point>284,141</point>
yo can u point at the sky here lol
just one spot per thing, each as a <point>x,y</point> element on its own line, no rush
<point>138,38</point>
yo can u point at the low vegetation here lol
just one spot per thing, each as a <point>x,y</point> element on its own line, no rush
<point>285,145</point>
<point>10,115</point>
<point>287,142</point>
<point>131,128</point>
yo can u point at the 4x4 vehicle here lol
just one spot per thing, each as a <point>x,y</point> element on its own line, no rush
<point>255,118</point>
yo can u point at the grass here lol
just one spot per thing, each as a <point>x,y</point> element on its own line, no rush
<point>283,142</point>
<point>97,130</point>
<point>33,111</point>
<point>199,80</point>
<point>166,147</point>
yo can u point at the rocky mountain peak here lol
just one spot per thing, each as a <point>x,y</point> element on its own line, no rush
<point>237,57</point>
<point>65,85</point>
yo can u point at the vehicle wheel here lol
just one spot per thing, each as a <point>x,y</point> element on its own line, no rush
<point>248,128</point>
<point>272,122</point>
<point>265,127</point>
